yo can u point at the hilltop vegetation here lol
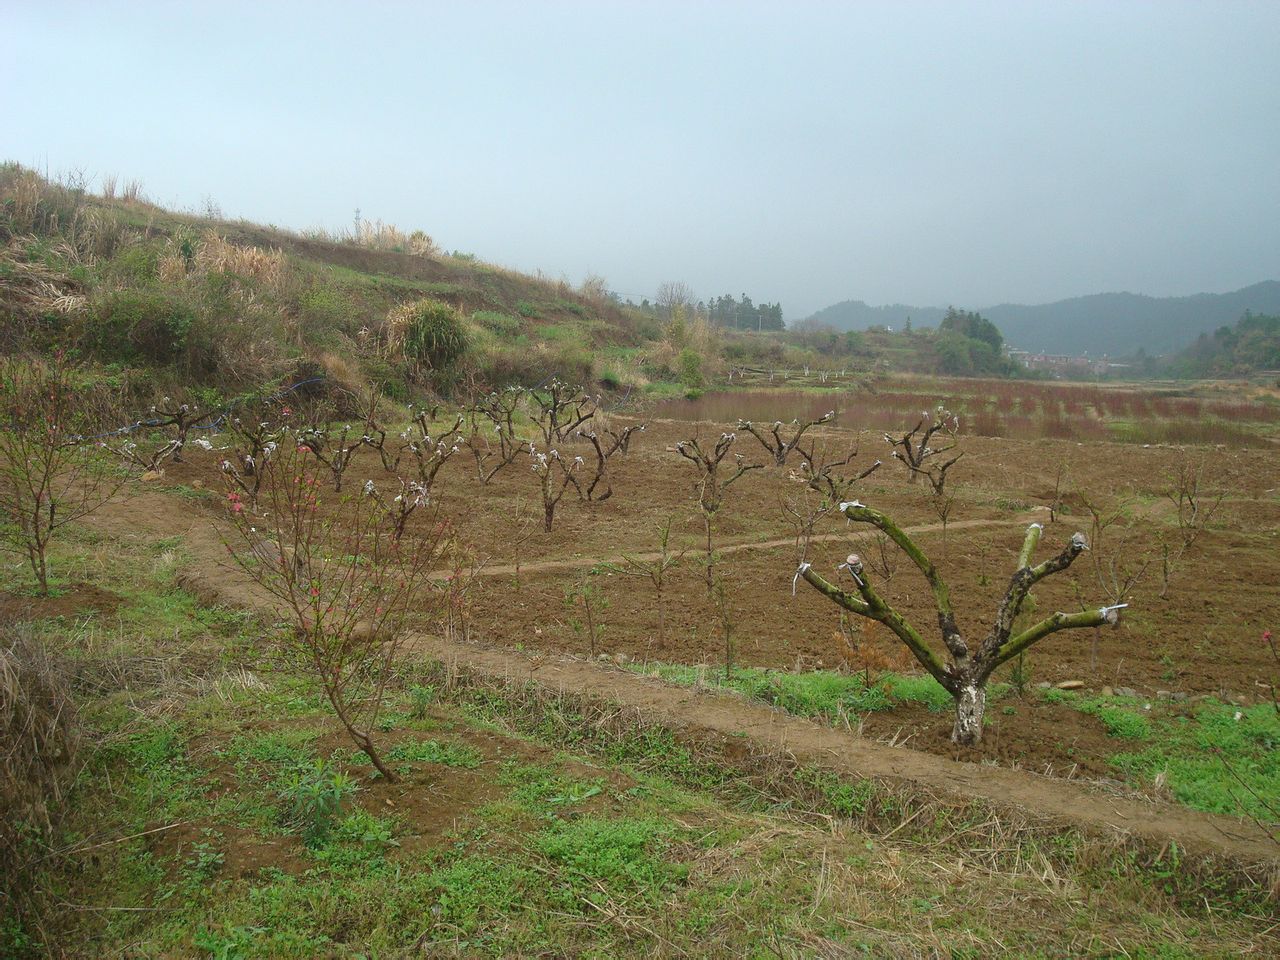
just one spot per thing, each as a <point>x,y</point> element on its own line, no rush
<point>1118,324</point>
<point>1253,344</point>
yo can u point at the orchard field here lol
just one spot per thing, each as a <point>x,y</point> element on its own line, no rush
<point>589,765</point>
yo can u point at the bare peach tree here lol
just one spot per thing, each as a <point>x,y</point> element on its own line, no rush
<point>430,449</point>
<point>412,497</point>
<point>916,448</point>
<point>254,440</point>
<point>140,451</point>
<point>779,445</point>
<point>375,434</point>
<point>968,668</point>
<point>493,440</point>
<point>621,439</point>
<point>933,436</point>
<point>333,448</point>
<point>182,417</point>
<point>345,578</point>
<point>597,487</point>
<point>555,473</point>
<point>559,409</point>
<point>826,484</point>
<point>52,472</point>
<point>712,484</point>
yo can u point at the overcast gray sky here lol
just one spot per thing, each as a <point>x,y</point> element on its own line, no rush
<point>965,153</point>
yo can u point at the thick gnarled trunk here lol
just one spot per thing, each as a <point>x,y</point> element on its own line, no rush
<point>971,704</point>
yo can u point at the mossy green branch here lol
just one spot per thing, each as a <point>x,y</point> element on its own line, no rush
<point>871,606</point>
<point>1029,545</point>
<point>941,594</point>
<point>1052,624</point>
<point>1023,579</point>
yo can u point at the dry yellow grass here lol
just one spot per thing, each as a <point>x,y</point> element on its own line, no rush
<point>376,235</point>
<point>23,199</point>
<point>214,253</point>
<point>342,372</point>
<point>398,320</point>
<point>31,287</point>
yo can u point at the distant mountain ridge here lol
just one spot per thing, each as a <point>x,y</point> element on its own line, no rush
<point>1112,323</point>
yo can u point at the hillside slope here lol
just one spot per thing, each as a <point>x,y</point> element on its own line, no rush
<point>176,298</point>
<point>163,300</point>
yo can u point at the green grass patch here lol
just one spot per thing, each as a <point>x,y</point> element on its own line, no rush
<point>286,747</point>
<point>1209,756</point>
<point>818,693</point>
<point>1220,759</point>
<point>540,790</point>
<point>617,856</point>
<point>433,751</point>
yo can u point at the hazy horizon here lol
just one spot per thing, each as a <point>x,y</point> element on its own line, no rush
<point>923,154</point>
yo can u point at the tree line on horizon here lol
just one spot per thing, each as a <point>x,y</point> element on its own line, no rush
<point>724,311</point>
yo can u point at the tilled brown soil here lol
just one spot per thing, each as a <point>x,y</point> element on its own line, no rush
<point>1203,637</point>
<point>82,599</point>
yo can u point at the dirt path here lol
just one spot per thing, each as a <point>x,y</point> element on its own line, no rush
<point>214,577</point>
<point>844,752</point>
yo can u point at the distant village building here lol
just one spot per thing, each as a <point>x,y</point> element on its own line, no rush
<point>1064,365</point>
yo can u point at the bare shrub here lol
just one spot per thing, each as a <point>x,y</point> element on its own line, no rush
<point>673,294</point>
<point>346,579</point>
<point>712,484</point>
<point>1193,511</point>
<point>51,473</point>
<point>595,288</point>
<point>655,569</point>
<point>1119,565</point>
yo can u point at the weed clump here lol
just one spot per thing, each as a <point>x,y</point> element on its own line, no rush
<point>39,739</point>
<point>428,332</point>
<point>313,797</point>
